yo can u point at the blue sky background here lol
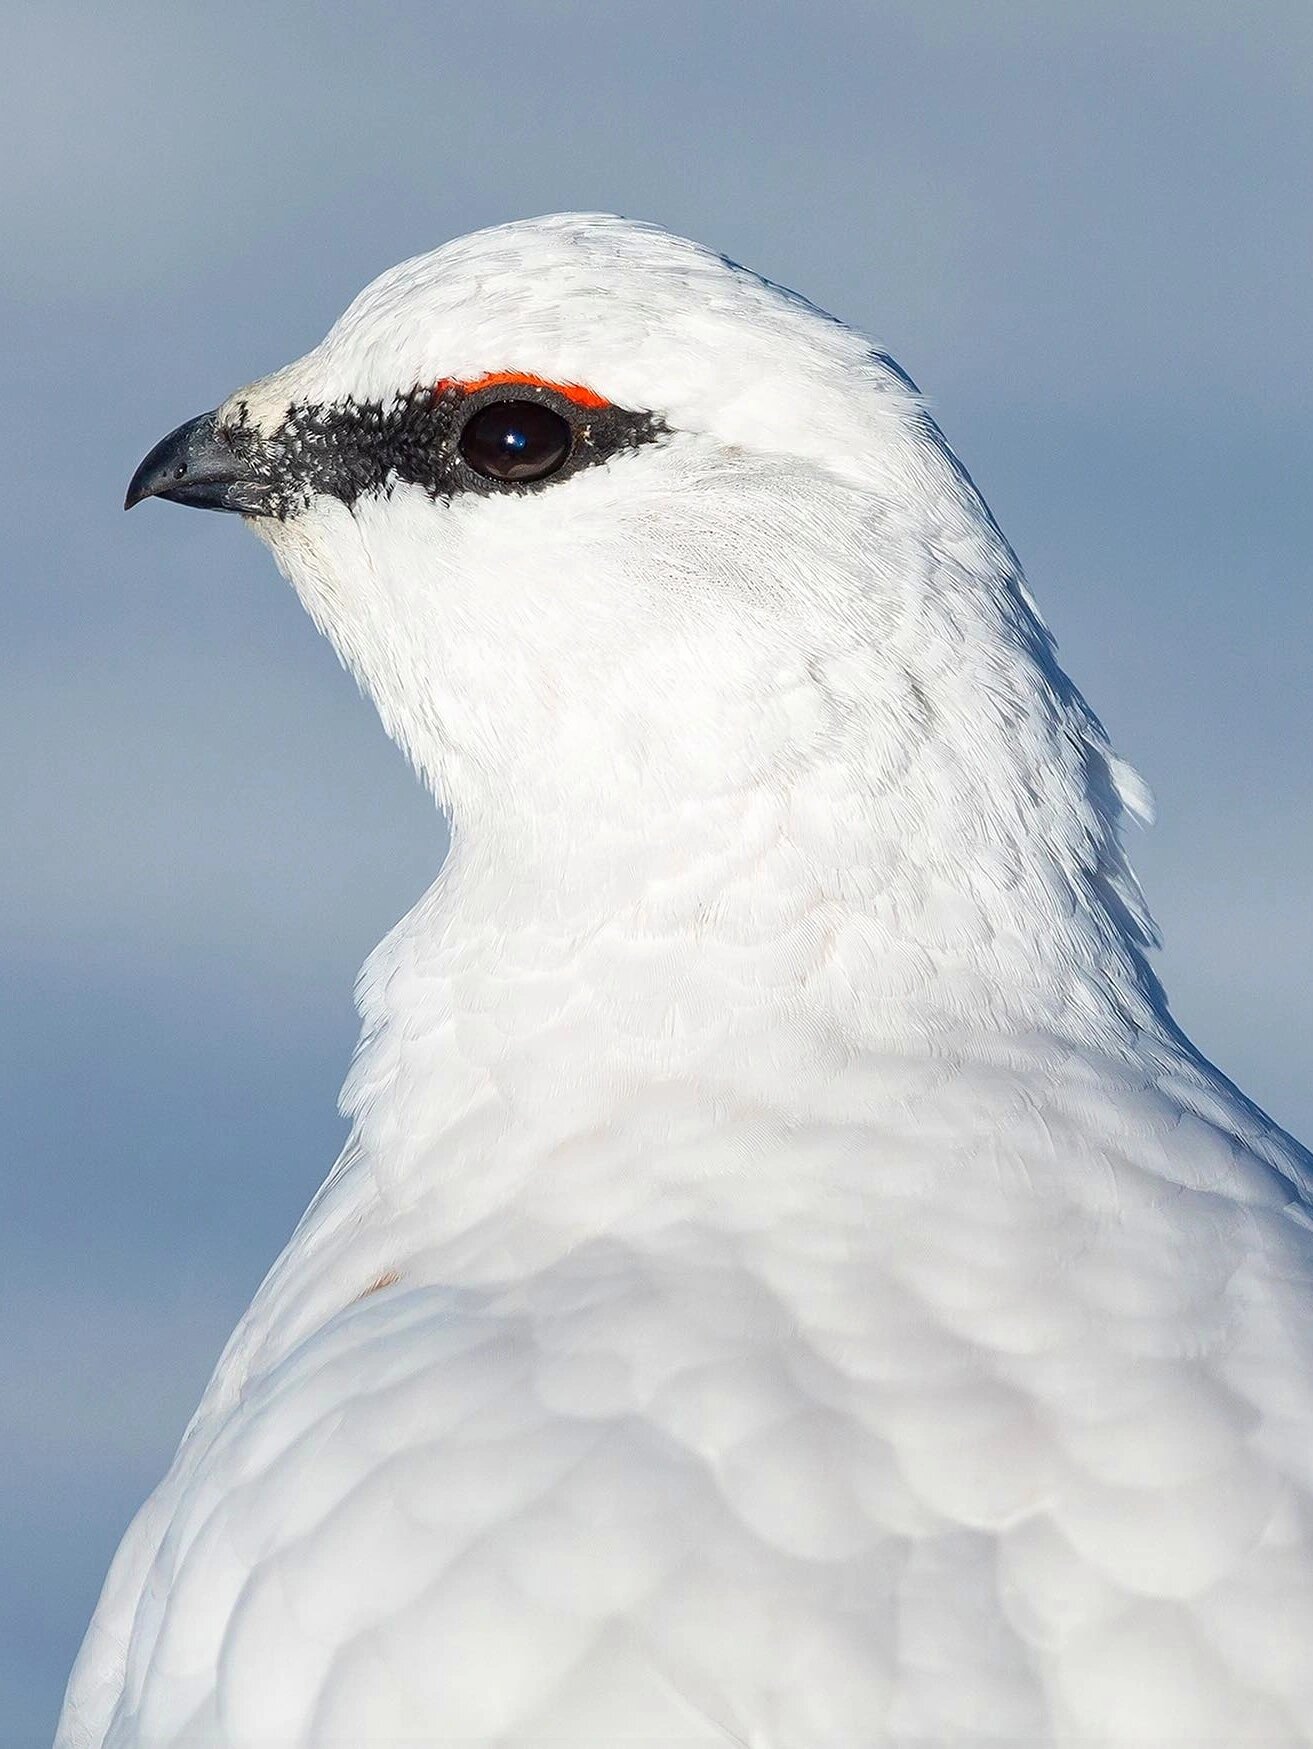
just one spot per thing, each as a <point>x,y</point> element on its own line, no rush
<point>1083,228</point>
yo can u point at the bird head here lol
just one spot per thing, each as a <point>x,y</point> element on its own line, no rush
<point>612,530</point>
<point>578,501</point>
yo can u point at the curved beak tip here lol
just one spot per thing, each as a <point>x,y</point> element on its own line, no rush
<point>138,488</point>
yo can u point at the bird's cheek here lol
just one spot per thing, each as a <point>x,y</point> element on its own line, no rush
<point>324,557</point>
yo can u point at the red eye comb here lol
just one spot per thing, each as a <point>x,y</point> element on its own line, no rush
<point>575,392</point>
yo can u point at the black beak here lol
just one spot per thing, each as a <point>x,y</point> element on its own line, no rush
<point>197,464</point>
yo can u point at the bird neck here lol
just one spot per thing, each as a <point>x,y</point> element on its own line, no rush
<point>758,941</point>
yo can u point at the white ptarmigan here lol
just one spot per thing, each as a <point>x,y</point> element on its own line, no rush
<point>789,1282</point>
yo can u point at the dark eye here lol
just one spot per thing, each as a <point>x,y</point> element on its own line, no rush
<point>515,440</point>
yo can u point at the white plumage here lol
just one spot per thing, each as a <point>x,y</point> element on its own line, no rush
<point>789,1282</point>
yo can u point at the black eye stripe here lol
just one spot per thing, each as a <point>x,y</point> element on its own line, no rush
<point>348,449</point>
